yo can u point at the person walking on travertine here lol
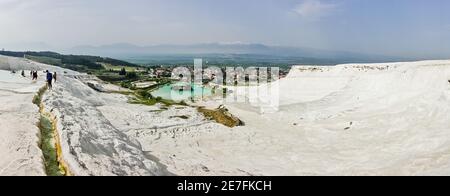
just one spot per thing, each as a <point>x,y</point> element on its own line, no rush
<point>35,75</point>
<point>54,76</point>
<point>49,80</point>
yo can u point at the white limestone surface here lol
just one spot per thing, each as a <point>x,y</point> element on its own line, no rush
<point>20,154</point>
<point>353,119</point>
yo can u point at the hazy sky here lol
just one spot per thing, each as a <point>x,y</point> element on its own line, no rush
<point>392,27</point>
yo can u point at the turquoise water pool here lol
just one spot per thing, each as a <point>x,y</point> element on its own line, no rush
<point>167,92</point>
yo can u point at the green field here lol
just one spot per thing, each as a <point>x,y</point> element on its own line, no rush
<point>45,60</point>
<point>108,66</point>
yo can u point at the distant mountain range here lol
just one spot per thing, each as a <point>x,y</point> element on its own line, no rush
<point>129,51</point>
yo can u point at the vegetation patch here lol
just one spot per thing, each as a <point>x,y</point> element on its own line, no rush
<point>110,77</point>
<point>83,63</point>
<point>151,101</point>
<point>184,117</point>
<point>157,111</point>
<point>48,147</point>
<point>37,99</point>
<point>126,93</point>
<point>145,97</point>
<point>221,115</point>
<point>45,60</point>
<point>116,68</point>
<point>49,143</point>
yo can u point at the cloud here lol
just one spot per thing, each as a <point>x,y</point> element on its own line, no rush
<point>314,9</point>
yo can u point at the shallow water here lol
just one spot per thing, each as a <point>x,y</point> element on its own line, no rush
<point>166,92</point>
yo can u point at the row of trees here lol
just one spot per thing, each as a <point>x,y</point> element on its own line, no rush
<point>129,75</point>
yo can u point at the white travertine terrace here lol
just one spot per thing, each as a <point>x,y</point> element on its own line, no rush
<point>353,119</point>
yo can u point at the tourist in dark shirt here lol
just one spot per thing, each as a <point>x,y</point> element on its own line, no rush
<point>49,80</point>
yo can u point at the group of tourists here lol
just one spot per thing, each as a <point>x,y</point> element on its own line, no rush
<point>49,78</point>
<point>33,74</point>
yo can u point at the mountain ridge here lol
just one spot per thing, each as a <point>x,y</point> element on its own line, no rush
<point>121,50</point>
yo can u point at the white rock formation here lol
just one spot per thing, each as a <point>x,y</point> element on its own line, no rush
<point>90,144</point>
<point>374,119</point>
<point>377,119</point>
<point>19,134</point>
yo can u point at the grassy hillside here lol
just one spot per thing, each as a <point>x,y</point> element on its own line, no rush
<point>75,62</point>
<point>44,59</point>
